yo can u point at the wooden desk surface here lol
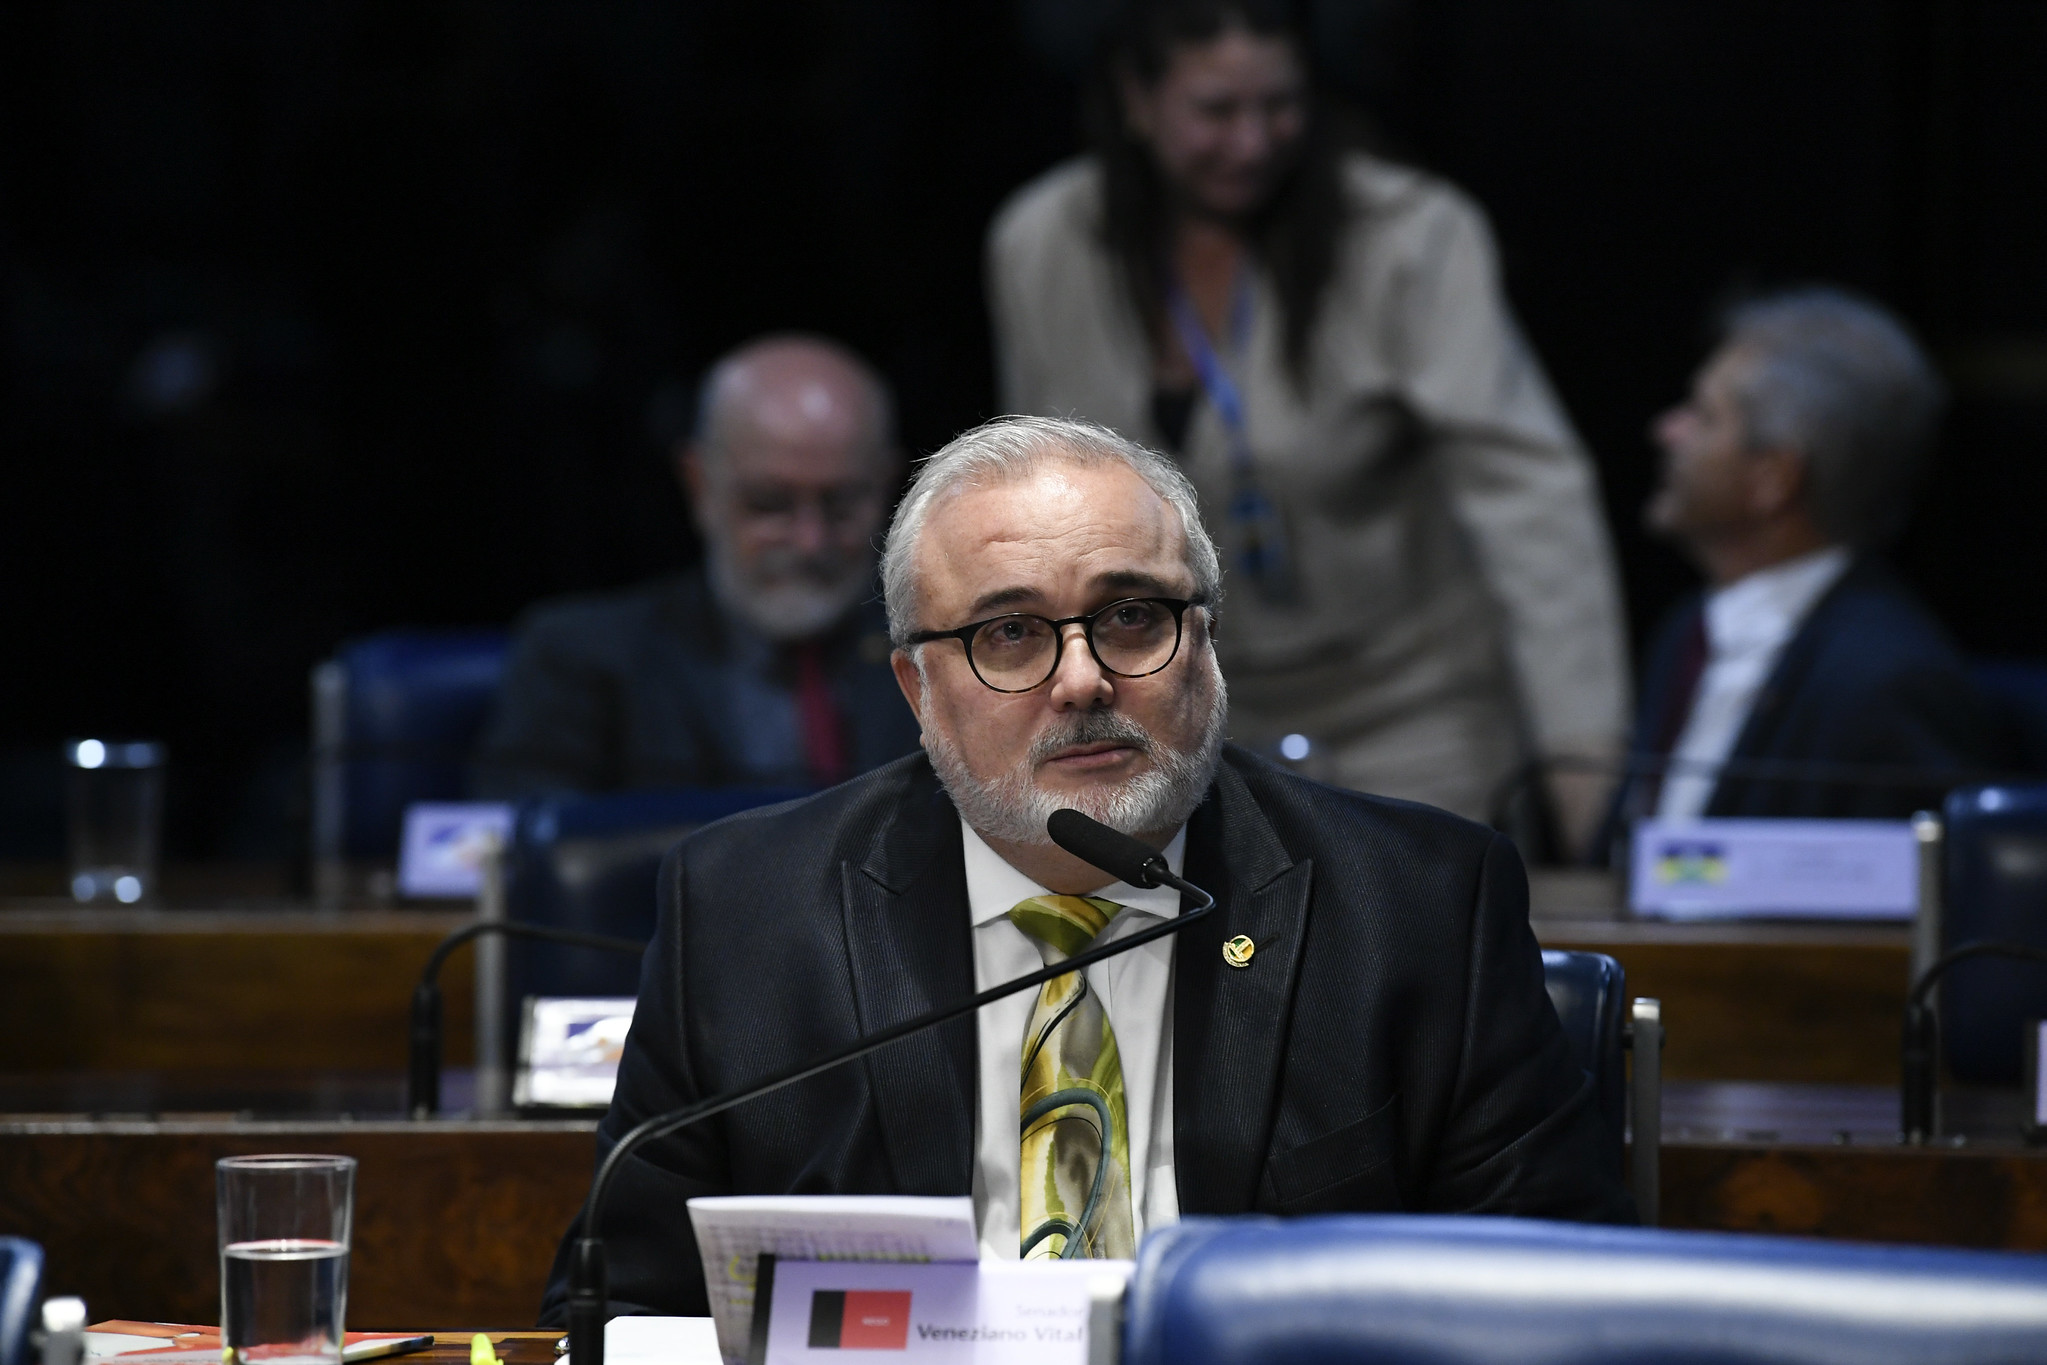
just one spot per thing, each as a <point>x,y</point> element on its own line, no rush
<point>451,1345</point>
<point>289,989</point>
<point>295,989</point>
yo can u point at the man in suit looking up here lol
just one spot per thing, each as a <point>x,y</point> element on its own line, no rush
<point>1792,460</point>
<point>768,667</point>
<point>1360,1024</point>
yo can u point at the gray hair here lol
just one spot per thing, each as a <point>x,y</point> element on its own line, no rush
<point>1838,379</point>
<point>1008,449</point>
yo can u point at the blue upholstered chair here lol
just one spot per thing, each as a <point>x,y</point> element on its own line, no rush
<point>21,1279</point>
<point>591,863</point>
<point>394,719</point>
<point>1590,993</point>
<point>1447,1290</point>
<point>1995,887</point>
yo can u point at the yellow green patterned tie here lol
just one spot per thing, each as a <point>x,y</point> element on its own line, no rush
<point>1075,1174</point>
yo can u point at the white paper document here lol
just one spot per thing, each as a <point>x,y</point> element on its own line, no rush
<point>734,1230</point>
<point>659,1341</point>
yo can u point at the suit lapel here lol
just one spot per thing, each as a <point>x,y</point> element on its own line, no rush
<point>909,950</point>
<point>1230,1024</point>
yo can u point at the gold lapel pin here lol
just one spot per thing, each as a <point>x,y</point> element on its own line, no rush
<point>1237,952</point>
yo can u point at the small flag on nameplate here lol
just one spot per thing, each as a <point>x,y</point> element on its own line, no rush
<point>860,1319</point>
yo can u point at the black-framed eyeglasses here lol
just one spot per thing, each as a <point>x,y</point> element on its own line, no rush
<point>1131,638</point>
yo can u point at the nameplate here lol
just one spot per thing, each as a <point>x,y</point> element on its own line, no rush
<point>1782,869</point>
<point>971,1313</point>
<point>445,842</point>
<point>569,1050</point>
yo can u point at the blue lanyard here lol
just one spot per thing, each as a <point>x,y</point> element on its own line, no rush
<point>1222,390</point>
<point>1262,554</point>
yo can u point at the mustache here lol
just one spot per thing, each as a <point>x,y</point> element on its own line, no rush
<point>1090,727</point>
<point>828,569</point>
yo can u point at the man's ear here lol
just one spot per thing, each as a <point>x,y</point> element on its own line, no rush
<point>1777,482</point>
<point>909,680</point>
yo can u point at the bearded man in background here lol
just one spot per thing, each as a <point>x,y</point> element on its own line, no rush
<point>769,666</point>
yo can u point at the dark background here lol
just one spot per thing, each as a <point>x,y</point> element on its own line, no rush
<point>338,315</point>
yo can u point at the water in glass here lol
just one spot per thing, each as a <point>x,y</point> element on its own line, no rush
<point>282,1300</point>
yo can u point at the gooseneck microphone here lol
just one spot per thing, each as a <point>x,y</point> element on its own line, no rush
<point>423,1063</point>
<point>1092,842</point>
<point>1113,851</point>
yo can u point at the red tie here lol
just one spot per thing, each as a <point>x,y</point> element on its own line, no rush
<point>1686,671</point>
<point>824,737</point>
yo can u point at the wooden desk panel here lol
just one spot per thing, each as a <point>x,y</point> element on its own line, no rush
<point>306,990</point>
<point>458,1222</point>
<point>1758,1001</point>
<point>166,990</point>
<point>1824,1010</point>
<point>455,1222</point>
<point>1994,1197</point>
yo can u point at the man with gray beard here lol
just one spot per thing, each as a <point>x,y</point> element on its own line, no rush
<point>769,667</point>
<point>1360,1024</point>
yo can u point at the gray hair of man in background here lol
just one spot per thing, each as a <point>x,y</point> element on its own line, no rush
<point>714,390</point>
<point>1008,449</point>
<point>1838,379</point>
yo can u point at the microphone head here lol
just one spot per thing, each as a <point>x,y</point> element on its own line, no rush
<point>1096,844</point>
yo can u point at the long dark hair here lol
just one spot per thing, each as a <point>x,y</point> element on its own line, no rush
<point>1294,234</point>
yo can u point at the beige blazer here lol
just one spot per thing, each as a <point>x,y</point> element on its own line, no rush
<point>1458,606</point>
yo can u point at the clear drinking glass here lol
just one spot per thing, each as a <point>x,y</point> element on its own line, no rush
<point>284,1234</point>
<point>116,806</point>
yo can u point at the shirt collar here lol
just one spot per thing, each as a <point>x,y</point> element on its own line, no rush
<point>993,886</point>
<point>1762,609</point>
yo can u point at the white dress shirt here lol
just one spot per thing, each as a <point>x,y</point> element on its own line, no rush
<point>1136,989</point>
<point>1748,623</point>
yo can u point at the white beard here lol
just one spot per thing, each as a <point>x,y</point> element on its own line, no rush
<point>800,601</point>
<point>1013,807</point>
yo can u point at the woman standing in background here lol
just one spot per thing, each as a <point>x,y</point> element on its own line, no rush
<point>1421,592</point>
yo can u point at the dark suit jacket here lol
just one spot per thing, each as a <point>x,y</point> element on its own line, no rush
<point>1390,1046</point>
<point>1869,678</point>
<point>632,689</point>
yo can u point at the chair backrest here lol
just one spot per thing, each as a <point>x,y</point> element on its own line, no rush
<point>1590,993</point>
<point>2014,693</point>
<point>21,1279</point>
<point>1994,851</point>
<point>1451,1290</point>
<point>591,863</point>
<point>394,719</point>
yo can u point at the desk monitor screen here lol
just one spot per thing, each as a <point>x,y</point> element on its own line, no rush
<point>569,1051</point>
